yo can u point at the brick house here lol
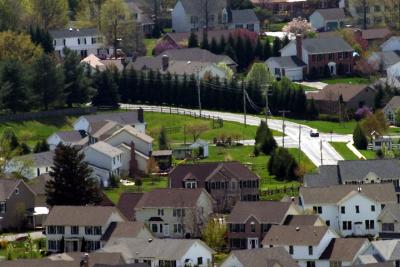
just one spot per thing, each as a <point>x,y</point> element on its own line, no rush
<point>248,222</point>
<point>322,55</point>
<point>227,182</point>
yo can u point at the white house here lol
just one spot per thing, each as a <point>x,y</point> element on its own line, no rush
<point>69,138</point>
<point>78,226</point>
<point>393,71</point>
<point>304,243</point>
<point>31,165</point>
<point>382,251</point>
<point>124,229</point>
<point>175,212</point>
<point>391,108</point>
<point>349,209</point>
<point>84,41</point>
<point>162,252</point>
<point>392,44</point>
<point>105,161</point>
<point>328,19</point>
<point>290,67</point>
<point>389,222</point>
<point>242,19</point>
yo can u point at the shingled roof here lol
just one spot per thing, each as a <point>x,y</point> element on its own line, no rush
<point>327,175</point>
<point>343,249</point>
<point>123,230</point>
<point>74,32</point>
<point>7,187</point>
<point>394,102</point>
<point>264,257</point>
<point>129,117</point>
<point>332,13</point>
<point>332,92</point>
<point>197,7</point>
<point>325,45</point>
<point>127,203</point>
<point>271,212</point>
<point>280,235</point>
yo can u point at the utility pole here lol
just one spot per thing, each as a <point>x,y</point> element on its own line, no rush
<point>244,103</point>
<point>320,148</point>
<point>265,87</point>
<point>283,112</point>
<point>198,92</point>
<point>299,145</point>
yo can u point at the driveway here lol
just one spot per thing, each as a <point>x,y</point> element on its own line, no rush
<point>318,149</point>
<point>316,85</point>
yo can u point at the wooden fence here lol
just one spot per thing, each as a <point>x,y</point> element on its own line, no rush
<point>282,190</point>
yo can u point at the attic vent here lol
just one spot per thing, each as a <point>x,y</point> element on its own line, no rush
<point>297,229</point>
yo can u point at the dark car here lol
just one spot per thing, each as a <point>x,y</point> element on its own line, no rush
<point>314,134</point>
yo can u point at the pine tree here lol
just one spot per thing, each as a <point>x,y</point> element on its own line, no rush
<point>312,110</point>
<point>266,50</point>
<point>25,149</point>
<point>72,182</point>
<point>163,143</point>
<point>107,90</point>
<point>276,47</point>
<point>222,44</point>
<point>204,42</point>
<point>240,53</point>
<point>230,52</point>
<point>193,42</point>
<point>249,52</point>
<point>283,165</point>
<point>264,140</point>
<point>214,46</point>
<point>359,138</point>
<point>258,50</point>
<point>132,85</point>
<point>42,38</point>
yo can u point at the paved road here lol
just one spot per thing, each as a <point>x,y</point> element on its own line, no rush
<point>313,147</point>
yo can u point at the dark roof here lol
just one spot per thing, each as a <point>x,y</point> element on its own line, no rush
<point>7,187</point>
<point>39,159</point>
<point>204,171</point>
<point>123,230</point>
<point>242,16</point>
<point>371,34</point>
<point>126,204</point>
<point>332,92</point>
<point>356,170</point>
<point>72,32</point>
<point>343,249</point>
<point>71,136</point>
<point>266,257</point>
<point>332,13</point>
<point>272,212</point>
<point>80,215</point>
<point>327,175</point>
<point>161,153</point>
<point>300,220</point>
<point>288,61</point>
<point>196,7</point>
<point>195,54</point>
<point>325,45</point>
<point>294,235</point>
<point>170,197</point>
<point>394,103</point>
<point>383,193</point>
<point>38,183</point>
<point>130,117</point>
<point>182,37</point>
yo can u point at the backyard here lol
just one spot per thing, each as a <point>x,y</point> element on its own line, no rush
<point>349,80</point>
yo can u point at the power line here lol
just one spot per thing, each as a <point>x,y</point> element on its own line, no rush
<point>283,112</point>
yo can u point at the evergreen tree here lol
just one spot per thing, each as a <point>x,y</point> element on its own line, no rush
<point>283,165</point>
<point>266,50</point>
<point>47,82</point>
<point>132,85</point>
<point>204,42</point>
<point>277,45</point>
<point>107,90</point>
<point>249,52</point>
<point>42,38</point>
<point>312,110</point>
<point>379,97</point>
<point>230,52</point>
<point>258,50</point>
<point>44,146</point>
<point>222,44</point>
<point>359,138</point>
<point>264,140</point>
<point>14,92</point>
<point>76,88</point>
<point>214,46</point>
<point>25,149</point>
<point>240,53</point>
<point>72,182</point>
<point>193,42</point>
<point>163,143</point>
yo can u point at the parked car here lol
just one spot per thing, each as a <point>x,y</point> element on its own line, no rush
<point>314,133</point>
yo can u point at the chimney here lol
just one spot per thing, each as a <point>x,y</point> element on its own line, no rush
<point>85,260</point>
<point>165,62</point>
<point>140,115</point>
<point>299,46</point>
<point>133,166</point>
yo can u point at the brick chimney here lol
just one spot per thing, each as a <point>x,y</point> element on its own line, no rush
<point>165,62</point>
<point>299,46</point>
<point>140,115</point>
<point>133,166</point>
<point>84,260</point>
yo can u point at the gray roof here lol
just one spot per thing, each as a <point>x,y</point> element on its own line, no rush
<point>394,103</point>
<point>327,175</point>
<point>387,58</point>
<point>41,159</point>
<point>130,117</point>
<point>287,61</point>
<point>325,45</point>
<point>388,249</point>
<point>272,212</point>
<point>266,257</point>
<point>383,193</point>
<point>123,229</point>
<point>7,187</point>
<point>71,136</point>
<point>197,7</point>
<point>243,16</point>
<point>332,13</point>
<point>281,235</point>
<point>343,249</point>
<point>72,32</point>
<point>393,209</point>
<point>106,149</point>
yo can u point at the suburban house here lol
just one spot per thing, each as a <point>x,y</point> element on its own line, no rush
<point>382,251</point>
<point>259,257</point>
<point>227,182</point>
<point>176,212</point>
<point>189,61</point>
<point>329,19</point>
<point>393,75</point>
<point>162,252</point>
<point>351,209</point>
<point>134,118</point>
<point>31,165</point>
<point>374,36</point>
<point>383,60</point>
<point>320,53</point>
<point>284,8</point>
<point>84,41</point>
<point>105,161</point>
<point>69,138</point>
<point>78,228</point>
<point>391,108</point>
<point>389,222</point>
<point>305,244</point>
<point>248,222</point>
<point>356,172</point>
<point>351,97</point>
<point>375,13</point>
<point>392,44</point>
<point>243,19</point>
<point>142,14</point>
<point>118,230</point>
<point>17,205</point>
<point>96,63</point>
<point>126,204</point>
<point>290,67</point>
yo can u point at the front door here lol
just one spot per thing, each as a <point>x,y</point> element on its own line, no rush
<point>71,246</point>
<point>252,243</point>
<point>166,230</point>
<point>358,228</point>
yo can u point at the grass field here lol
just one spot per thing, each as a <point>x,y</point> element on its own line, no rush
<point>328,126</point>
<point>344,151</point>
<point>349,80</point>
<point>368,154</point>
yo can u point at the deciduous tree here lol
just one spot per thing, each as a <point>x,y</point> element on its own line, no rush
<point>49,14</point>
<point>18,46</point>
<point>196,129</point>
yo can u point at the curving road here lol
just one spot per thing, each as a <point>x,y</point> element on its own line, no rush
<point>313,147</point>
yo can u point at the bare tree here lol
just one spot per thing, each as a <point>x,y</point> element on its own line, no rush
<point>196,129</point>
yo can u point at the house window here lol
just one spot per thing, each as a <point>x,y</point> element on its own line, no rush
<point>239,26</point>
<point>75,230</point>
<point>291,250</point>
<point>54,245</point>
<point>328,222</point>
<point>51,230</point>
<point>357,209</point>
<point>265,227</point>
<point>369,224</point>
<point>372,207</point>
<point>16,191</point>
<point>331,56</point>
<point>335,264</point>
<point>310,263</point>
<point>347,225</point>
<point>388,227</point>
<point>97,230</point>
<point>88,230</point>
<point>253,227</point>
<point>160,212</point>
<point>340,56</point>
<point>60,230</point>
<point>199,260</point>
<point>310,250</point>
<point>191,184</point>
<point>154,228</point>
<point>317,209</point>
<point>3,207</point>
<point>343,209</point>
<point>177,228</point>
<point>382,206</point>
<point>250,27</point>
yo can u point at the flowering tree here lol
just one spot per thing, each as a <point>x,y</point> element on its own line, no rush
<point>362,113</point>
<point>299,26</point>
<point>163,46</point>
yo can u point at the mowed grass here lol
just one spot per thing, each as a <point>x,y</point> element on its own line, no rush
<point>149,43</point>
<point>328,126</point>
<point>368,154</point>
<point>348,80</point>
<point>344,151</point>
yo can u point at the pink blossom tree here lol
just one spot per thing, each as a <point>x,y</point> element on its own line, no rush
<point>299,26</point>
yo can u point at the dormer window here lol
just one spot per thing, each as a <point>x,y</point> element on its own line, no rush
<point>191,184</point>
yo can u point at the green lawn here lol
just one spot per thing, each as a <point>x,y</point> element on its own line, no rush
<point>150,44</point>
<point>344,151</point>
<point>328,126</point>
<point>368,154</point>
<point>350,80</point>
<point>276,27</point>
